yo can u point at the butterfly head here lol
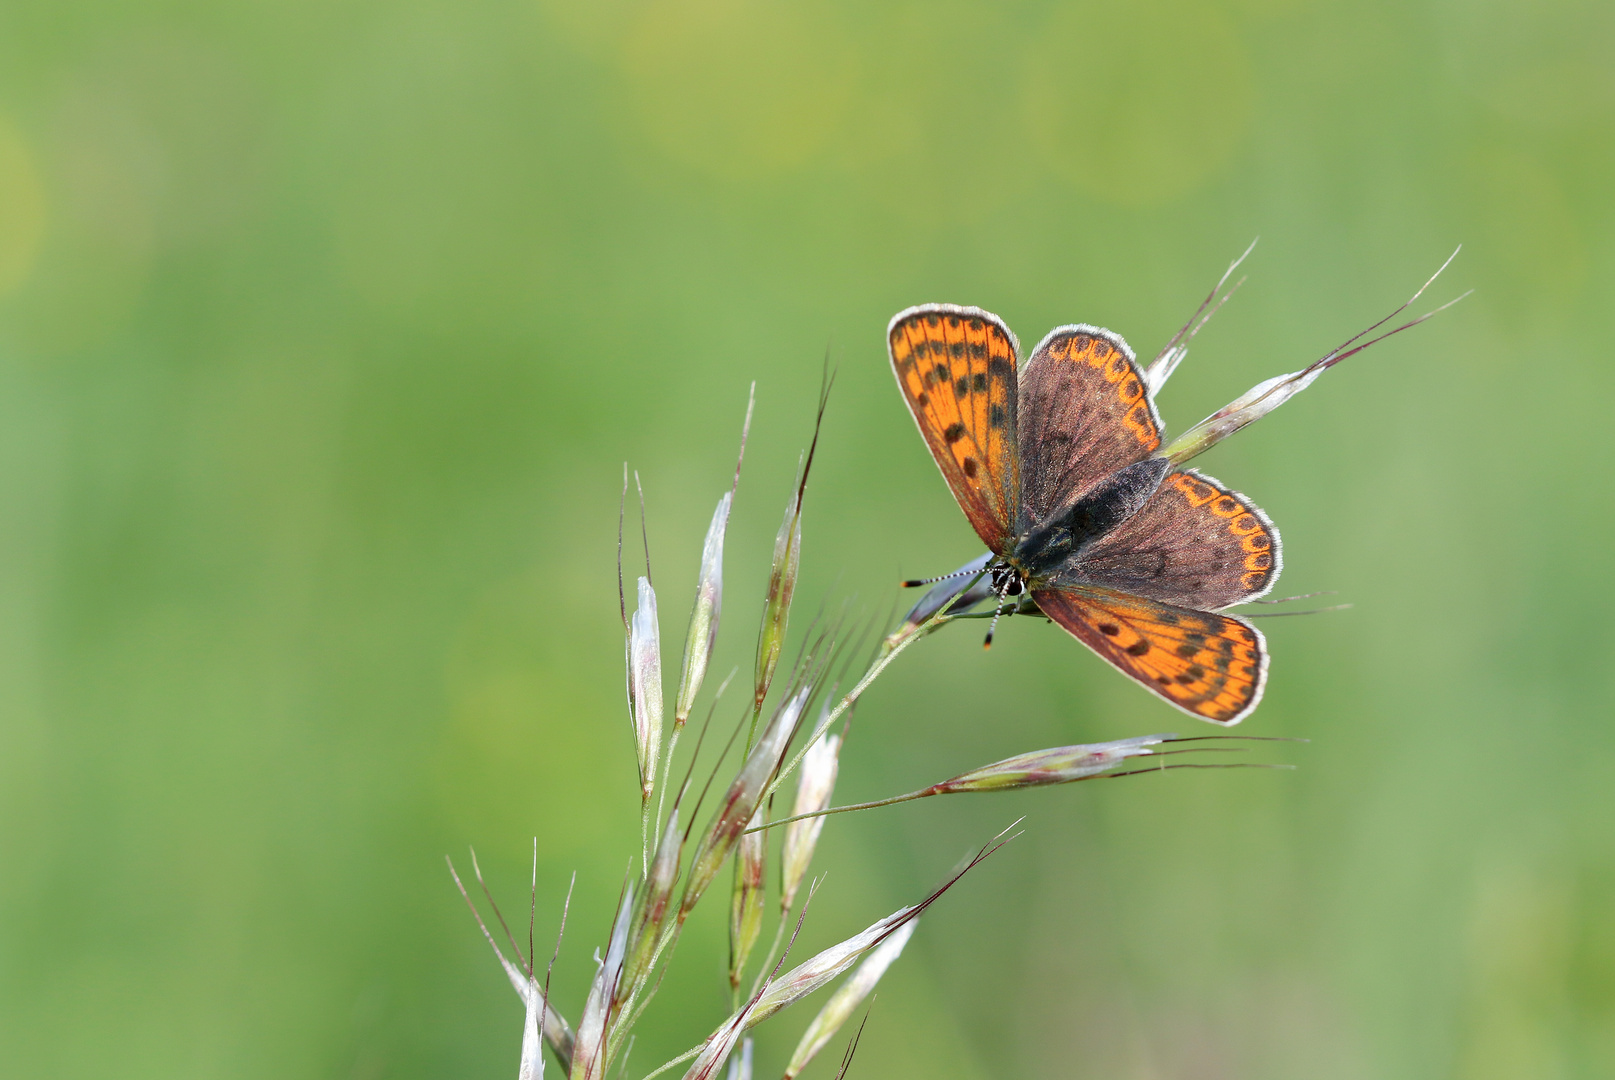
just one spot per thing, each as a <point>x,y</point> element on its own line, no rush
<point>1007,580</point>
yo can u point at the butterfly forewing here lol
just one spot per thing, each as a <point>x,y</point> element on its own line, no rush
<point>1211,666</point>
<point>956,368</point>
<point>1194,544</point>
<point>1084,413</point>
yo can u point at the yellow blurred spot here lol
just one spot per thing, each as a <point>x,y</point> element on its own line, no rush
<point>22,208</point>
<point>739,89</point>
<point>1138,104</point>
<point>105,174</point>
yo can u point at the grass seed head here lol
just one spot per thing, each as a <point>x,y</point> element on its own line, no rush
<point>557,1032</point>
<point>1248,408</point>
<point>740,1067</point>
<point>643,936</point>
<point>594,1027</point>
<point>782,576</point>
<point>813,974</point>
<point>719,1045</point>
<point>653,910</point>
<point>1060,765</point>
<point>740,801</point>
<point>1167,360</point>
<point>848,996</point>
<point>815,784</point>
<point>645,685</point>
<point>532,1060</point>
<point>703,633</point>
<point>1268,395</point>
<point>746,901</point>
<point>823,968</point>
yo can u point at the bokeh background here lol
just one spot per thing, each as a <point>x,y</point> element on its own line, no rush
<point>325,330</point>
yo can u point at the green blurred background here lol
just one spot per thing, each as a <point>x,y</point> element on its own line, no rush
<point>325,329</point>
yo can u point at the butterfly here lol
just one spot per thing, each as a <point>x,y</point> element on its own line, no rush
<point>1060,468</point>
<point>1057,465</point>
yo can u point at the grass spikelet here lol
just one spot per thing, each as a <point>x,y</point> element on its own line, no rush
<point>647,921</point>
<point>785,566</point>
<point>813,790</point>
<point>848,996</point>
<point>740,801</point>
<point>1266,396</point>
<point>645,659</point>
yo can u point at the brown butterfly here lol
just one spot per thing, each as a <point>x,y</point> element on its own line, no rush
<point>1060,469</point>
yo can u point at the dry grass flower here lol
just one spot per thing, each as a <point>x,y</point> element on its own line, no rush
<point>678,857</point>
<point>645,929</point>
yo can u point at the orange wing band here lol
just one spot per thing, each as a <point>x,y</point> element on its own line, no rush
<point>1245,525</point>
<point>1118,369</point>
<point>1210,666</point>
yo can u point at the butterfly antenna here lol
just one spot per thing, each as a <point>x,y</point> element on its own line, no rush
<point>914,583</point>
<point>992,627</point>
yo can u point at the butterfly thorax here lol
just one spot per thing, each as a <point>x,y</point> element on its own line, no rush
<point>1054,547</point>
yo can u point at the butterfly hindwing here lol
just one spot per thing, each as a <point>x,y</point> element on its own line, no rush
<point>1084,413</point>
<point>956,368</point>
<point>1209,665</point>
<point>1194,544</point>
